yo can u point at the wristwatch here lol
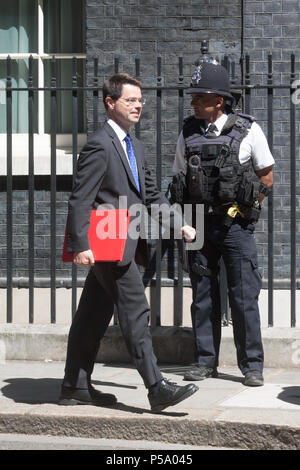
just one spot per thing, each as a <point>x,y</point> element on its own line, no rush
<point>264,189</point>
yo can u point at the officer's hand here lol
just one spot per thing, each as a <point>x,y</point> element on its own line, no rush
<point>188,233</point>
<point>84,258</point>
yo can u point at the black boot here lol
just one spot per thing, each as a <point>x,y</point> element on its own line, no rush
<point>85,396</point>
<point>166,394</point>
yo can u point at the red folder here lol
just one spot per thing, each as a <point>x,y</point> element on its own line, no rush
<point>107,235</point>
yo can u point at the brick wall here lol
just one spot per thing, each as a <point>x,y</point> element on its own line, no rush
<point>273,27</point>
<point>146,29</point>
<point>171,28</point>
<point>42,234</point>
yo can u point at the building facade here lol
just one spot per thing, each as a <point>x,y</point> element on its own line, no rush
<point>130,36</point>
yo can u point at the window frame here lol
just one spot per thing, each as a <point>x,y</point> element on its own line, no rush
<point>42,139</point>
<point>41,56</point>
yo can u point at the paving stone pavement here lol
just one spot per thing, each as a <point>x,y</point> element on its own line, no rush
<point>223,413</point>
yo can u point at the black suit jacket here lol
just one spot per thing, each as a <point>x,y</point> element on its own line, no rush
<point>103,175</point>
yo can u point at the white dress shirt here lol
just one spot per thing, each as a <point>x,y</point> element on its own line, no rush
<point>254,146</point>
<point>121,133</point>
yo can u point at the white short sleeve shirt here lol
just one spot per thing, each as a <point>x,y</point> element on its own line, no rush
<point>254,146</point>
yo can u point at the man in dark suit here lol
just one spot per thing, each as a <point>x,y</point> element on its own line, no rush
<point>112,165</point>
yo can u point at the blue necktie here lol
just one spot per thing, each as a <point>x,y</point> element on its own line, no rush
<point>132,160</point>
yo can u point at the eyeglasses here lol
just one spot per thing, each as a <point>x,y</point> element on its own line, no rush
<point>133,101</point>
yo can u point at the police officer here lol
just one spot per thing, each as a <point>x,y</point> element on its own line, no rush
<point>228,167</point>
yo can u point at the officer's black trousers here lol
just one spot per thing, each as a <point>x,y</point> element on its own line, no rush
<point>237,247</point>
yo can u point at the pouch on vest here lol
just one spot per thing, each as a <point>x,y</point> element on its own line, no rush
<point>251,213</point>
<point>248,191</point>
<point>227,184</point>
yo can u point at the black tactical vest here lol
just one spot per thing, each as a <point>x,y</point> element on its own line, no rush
<point>215,175</point>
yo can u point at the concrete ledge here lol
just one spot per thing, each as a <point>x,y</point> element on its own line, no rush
<point>172,345</point>
<point>180,431</point>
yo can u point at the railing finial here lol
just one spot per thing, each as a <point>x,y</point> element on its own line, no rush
<point>205,54</point>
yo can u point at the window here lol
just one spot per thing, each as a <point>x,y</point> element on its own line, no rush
<point>43,29</point>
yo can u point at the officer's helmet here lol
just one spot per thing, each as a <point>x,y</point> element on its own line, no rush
<point>210,77</point>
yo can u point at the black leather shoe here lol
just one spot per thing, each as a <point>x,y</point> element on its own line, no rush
<point>200,373</point>
<point>169,394</point>
<point>253,378</point>
<point>84,396</point>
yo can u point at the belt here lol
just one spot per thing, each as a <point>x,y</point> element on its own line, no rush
<point>216,210</point>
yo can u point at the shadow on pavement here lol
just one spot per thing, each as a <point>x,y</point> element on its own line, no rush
<point>46,391</point>
<point>290,395</point>
<point>180,370</point>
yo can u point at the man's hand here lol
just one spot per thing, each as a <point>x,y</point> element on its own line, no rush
<point>188,233</point>
<point>84,258</point>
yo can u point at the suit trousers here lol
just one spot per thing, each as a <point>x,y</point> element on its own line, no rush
<point>108,285</point>
<point>237,247</point>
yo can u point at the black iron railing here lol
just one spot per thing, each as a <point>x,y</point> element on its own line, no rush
<point>240,81</point>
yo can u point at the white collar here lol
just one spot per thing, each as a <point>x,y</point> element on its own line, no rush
<point>219,123</point>
<point>121,133</point>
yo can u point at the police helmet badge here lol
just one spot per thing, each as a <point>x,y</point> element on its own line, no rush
<point>196,77</point>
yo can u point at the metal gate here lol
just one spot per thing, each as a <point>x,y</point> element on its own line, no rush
<point>240,81</point>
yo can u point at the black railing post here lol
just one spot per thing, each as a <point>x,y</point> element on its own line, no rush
<point>137,74</point>
<point>223,288</point>
<point>9,189</point>
<point>116,70</point>
<point>95,95</point>
<point>158,123</point>
<point>156,291</point>
<point>293,173</point>
<point>270,199</point>
<point>31,192</point>
<point>178,287</point>
<point>233,76</point>
<point>225,62</point>
<point>74,151</point>
<point>116,64</point>
<point>53,191</point>
<point>247,83</point>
